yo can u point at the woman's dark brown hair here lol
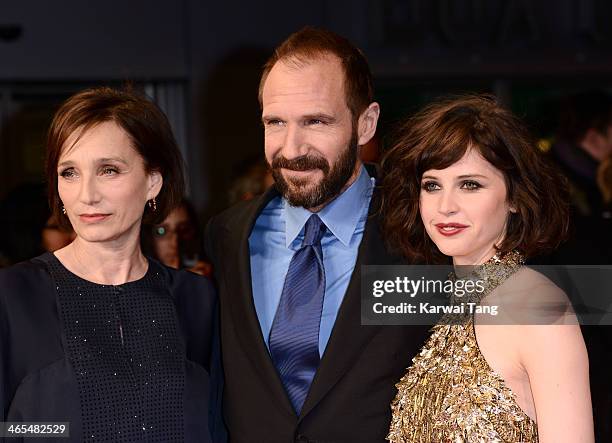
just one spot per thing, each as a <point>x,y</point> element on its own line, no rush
<point>440,135</point>
<point>145,124</point>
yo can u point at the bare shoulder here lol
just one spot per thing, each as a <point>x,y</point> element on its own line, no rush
<point>534,319</point>
<point>537,346</point>
<point>545,326</point>
<point>530,298</point>
<point>527,285</point>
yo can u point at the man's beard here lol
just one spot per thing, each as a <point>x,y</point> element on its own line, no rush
<point>298,192</point>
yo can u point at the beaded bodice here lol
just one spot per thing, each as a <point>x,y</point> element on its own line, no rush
<point>450,393</point>
<point>123,343</point>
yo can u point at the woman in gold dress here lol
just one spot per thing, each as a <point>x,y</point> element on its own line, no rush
<point>465,181</point>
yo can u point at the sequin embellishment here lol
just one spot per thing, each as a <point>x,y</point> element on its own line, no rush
<point>451,394</point>
<point>127,355</point>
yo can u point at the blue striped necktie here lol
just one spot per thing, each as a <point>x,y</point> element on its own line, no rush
<point>294,337</point>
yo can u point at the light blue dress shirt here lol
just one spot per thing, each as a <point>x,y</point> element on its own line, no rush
<point>278,233</point>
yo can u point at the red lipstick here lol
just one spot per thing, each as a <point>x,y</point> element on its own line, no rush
<point>450,229</point>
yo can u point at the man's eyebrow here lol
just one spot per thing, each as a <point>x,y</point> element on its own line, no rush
<point>320,116</point>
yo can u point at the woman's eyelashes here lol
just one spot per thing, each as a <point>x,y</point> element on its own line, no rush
<point>430,186</point>
<point>470,185</point>
<point>106,171</point>
<point>68,173</point>
<point>109,170</point>
<point>467,185</point>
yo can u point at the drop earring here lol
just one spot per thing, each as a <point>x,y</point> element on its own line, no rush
<point>153,204</point>
<point>64,210</point>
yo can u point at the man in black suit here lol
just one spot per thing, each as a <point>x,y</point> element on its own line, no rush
<point>298,364</point>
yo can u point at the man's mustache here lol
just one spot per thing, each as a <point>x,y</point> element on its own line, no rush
<point>303,163</point>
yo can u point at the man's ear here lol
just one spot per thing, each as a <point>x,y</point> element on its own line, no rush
<point>155,184</point>
<point>366,126</point>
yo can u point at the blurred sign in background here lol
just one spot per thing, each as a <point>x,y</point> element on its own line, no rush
<point>200,61</point>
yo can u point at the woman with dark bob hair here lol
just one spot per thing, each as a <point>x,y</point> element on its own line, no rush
<point>96,334</point>
<point>464,181</point>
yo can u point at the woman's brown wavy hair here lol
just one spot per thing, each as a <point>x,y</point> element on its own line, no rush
<point>440,135</point>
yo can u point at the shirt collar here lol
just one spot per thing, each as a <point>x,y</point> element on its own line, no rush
<point>340,215</point>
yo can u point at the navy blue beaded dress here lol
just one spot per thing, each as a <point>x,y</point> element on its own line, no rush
<point>126,363</point>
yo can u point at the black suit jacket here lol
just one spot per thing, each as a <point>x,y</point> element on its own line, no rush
<point>350,396</point>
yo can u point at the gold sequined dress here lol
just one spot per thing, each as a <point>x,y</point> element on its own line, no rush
<point>450,393</point>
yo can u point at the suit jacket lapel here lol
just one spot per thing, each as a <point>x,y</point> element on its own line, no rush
<point>243,311</point>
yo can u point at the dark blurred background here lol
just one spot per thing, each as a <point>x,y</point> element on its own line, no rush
<point>200,61</point>
<point>549,60</point>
